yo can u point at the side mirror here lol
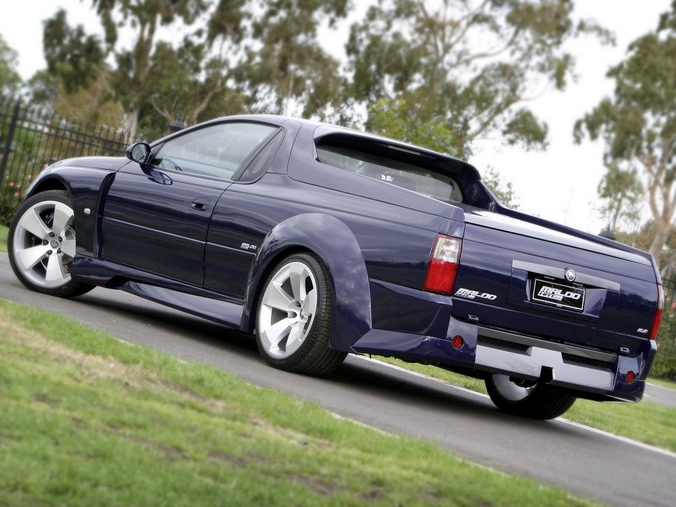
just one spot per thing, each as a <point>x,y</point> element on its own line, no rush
<point>138,152</point>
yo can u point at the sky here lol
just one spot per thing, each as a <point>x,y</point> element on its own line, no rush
<point>559,184</point>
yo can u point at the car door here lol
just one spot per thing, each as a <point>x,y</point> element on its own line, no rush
<point>156,216</point>
<point>247,212</point>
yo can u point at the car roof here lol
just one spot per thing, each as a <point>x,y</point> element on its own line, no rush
<point>322,129</point>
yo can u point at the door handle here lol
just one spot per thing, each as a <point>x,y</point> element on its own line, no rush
<point>200,204</point>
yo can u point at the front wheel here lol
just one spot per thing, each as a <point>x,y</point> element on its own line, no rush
<point>533,400</point>
<point>293,323</point>
<point>41,244</point>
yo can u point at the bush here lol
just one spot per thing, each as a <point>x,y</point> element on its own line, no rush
<point>664,366</point>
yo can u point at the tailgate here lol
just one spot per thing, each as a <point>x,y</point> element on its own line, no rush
<point>530,279</point>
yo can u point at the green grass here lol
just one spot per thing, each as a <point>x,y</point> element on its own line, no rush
<point>88,420</point>
<point>645,422</point>
<point>3,238</point>
<point>664,383</point>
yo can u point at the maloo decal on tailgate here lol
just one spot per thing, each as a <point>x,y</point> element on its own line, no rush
<point>474,294</point>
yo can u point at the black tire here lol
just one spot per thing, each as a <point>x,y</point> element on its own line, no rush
<point>537,401</point>
<point>293,321</point>
<point>41,245</point>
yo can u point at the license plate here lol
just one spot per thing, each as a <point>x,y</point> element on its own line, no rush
<point>559,295</point>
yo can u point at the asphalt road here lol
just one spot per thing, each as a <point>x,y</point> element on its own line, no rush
<point>585,462</point>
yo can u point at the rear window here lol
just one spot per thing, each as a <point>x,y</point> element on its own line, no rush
<point>391,164</point>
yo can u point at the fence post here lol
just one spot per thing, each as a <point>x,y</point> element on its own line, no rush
<point>8,143</point>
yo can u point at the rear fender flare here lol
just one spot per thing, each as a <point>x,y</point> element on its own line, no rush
<point>334,244</point>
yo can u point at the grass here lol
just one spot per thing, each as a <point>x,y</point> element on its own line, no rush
<point>3,238</point>
<point>644,422</point>
<point>664,383</point>
<point>88,420</point>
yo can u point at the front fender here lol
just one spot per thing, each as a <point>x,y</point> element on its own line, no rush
<point>85,185</point>
<point>337,249</point>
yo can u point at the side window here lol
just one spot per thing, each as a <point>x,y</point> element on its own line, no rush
<point>215,151</point>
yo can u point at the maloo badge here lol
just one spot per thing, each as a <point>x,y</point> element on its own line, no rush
<point>570,275</point>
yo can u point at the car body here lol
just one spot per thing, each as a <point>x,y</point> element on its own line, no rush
<point>324,241</point>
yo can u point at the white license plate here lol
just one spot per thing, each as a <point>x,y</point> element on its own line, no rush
<point>559,295</point>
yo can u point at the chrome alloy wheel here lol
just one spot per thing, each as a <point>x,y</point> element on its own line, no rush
<point>43,244</point>
<point>510,390</point>
<point>287,310</point>
<point>526,398</point>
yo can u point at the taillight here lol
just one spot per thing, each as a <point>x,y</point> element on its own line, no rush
<point>443,265</point>
<point>658,314</point>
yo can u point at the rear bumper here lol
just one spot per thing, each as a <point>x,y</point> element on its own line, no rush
<point>584,372</point>
<point>588,372</point>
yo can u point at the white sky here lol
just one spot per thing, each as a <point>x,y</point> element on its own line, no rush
<point>558,184</point>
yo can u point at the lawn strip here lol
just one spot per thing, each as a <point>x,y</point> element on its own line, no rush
<point>88,420</point>
<point>644,422</point>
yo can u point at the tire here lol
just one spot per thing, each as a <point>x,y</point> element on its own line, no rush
<point>536,401</point>
<point>293,321</point>
<point>41,245</point>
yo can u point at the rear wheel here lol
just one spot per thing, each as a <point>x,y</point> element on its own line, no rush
<point>537,401</point>
<point>294,318</point>
<point>41,245</point>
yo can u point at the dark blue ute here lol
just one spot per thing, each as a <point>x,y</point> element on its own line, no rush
<point>324,241</point>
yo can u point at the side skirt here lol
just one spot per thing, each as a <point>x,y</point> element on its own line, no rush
<point>177,295</point>
<point>222,312</point>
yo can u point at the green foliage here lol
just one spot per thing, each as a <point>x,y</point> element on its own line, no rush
<point>78,60</point>
<point>501,189</point>
<point>72,56</point>
<point>664,366</point>
<point>10,81</point>
<point>287,70</point>
<point>398,119</point>
<point>638,126</point>
<point>471,64</point>
<point>23,157</point>
<point>194,91</point>
<point>464,68</point>
<point>236,56</point>
<point>622,192</point>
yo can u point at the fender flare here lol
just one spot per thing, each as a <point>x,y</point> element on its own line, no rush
<point>336,247</point>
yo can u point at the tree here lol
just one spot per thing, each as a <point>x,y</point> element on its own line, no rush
<point>75,83</point>
<point>288,71</point>
<point>10,81</point>
<point>195,90</point>
<point>638,125</point>
<point>72,56</point>
<point>622,194</point>
<point>130,76</point>
<point>234,56</point>
<point>472,63</point>
<point>503,190</point>
<point>392,118</point>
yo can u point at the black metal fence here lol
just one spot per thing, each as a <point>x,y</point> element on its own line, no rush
<point>31,138</point>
